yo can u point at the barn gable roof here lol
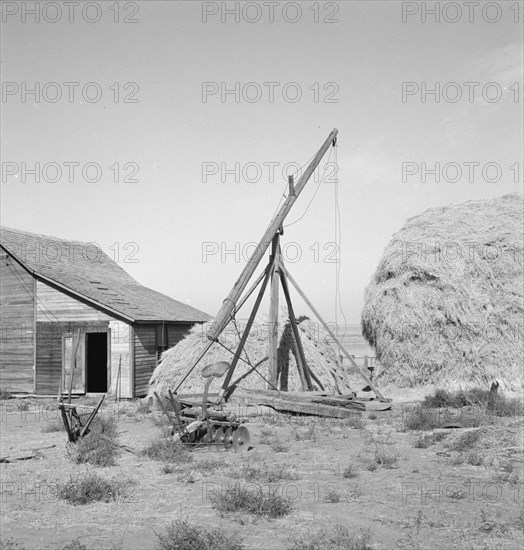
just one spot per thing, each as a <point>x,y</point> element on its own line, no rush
<point>83,270</point>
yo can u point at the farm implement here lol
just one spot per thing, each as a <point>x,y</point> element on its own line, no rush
<point>198,426</point>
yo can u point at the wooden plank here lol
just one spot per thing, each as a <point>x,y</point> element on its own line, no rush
<point>378,406</point>
<point>300,407</point>
<point>453,430</point>
<point>302,397</point>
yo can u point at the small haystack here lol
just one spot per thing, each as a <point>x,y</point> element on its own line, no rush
<point>446,303</point>
<point>318,350</point>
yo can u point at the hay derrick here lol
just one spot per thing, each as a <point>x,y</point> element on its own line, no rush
<point>321,358</point>
<point>446,303</point>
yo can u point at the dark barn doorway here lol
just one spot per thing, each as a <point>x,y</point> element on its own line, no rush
<point>96,362</point>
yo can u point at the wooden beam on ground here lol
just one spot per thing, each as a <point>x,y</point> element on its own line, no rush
<point>305,397</point>
<point>298,406</point>
<point>453,430</point>
<point>330,332</point>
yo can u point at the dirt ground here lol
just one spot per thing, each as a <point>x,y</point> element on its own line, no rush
<point>420,501</point>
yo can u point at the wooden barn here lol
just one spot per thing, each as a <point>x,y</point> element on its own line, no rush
<point>54,292</point>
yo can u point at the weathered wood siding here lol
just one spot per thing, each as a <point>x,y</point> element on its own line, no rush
<point>17,309</point>
<point>67,316</point>
<point>49,353</point>
<point>145,351</point>
<point>121,348</point>
<point>145,357</point>
<point>54,305</point>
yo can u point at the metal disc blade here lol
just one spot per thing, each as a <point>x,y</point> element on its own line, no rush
<point>228,437</point>
<point>209,436</point>
<point>219,435</point>
<point>241,439</point>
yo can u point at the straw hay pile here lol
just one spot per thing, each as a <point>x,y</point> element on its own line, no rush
<point>445,305</point>
<point>176,361</point>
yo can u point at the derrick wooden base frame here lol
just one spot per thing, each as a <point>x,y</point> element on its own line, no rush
<point>276,271</point>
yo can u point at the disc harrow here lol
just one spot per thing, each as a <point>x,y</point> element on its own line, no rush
<point>206,426</point>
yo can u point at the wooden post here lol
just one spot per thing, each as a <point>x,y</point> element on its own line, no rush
<point>273,315</point>
<point>330,332</point>
<point>72,368</point>
<point>228,305</point>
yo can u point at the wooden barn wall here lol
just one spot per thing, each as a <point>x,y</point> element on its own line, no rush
<point>145,351</point>
<point>17,310</point>
<point>49,348</point>
<point>58,315</point>
<point>145,357</point>
<point>120,348</point>
<point>54,305</point>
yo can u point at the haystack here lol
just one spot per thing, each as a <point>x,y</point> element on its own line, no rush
<point>320,355</point>
<point>445,305</point>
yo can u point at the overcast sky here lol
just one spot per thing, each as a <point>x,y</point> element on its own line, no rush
<point>150,113</point>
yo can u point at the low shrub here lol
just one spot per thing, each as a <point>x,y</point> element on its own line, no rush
<point>280,446</point>
<point>181,535</point>
<point>89,488</point>
<point>261,471</point>
<point>351,470</point>
<point>167,450</point>
<point>304,434</point>
<point>11,544</point>
<point>99,447</point>
<point>4,396</point>
<point>267,435</point>
<point>75,544</point>
<point>337,537</point>
<point>387,458</point>
<point>255,502</point>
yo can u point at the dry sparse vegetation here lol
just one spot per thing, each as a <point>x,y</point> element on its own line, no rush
<point>182,535</point>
